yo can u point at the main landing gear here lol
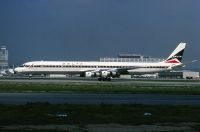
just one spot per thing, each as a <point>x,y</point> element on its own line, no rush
<point>104,79</point>
<point>29,76</point>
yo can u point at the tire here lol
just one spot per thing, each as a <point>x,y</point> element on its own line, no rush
<point>104,79</point>
<point>99,79</point>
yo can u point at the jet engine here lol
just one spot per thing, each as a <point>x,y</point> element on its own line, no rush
<point>89,74</point>
<point>105,73</point>
<point>97,74</point>
<point>114,74</point>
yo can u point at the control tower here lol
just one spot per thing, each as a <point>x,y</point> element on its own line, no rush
<point>3,57</point>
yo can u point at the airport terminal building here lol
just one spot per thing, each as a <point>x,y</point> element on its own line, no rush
<point>3,57</point>
<point>131,58</point>
<point>185,74</point>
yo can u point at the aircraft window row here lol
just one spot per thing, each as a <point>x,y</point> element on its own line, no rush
<point>64,66</point>
<point>47,66</point>
<point>76,66</point>
<point>114,66</point>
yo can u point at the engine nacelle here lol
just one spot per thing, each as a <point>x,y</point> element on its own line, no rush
<point>89,74</point>
<point>114,74</point>
<point>97,74</point>
<point>105,73</point>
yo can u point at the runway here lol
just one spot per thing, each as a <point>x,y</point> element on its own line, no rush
<point>69,98</point>
<point>79,80</point>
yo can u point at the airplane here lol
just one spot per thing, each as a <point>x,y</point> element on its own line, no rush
<point>104,71</point>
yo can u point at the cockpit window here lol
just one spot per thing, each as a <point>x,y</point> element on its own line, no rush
<point>24,65</point>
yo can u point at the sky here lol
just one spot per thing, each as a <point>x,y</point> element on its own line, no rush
<point>89,29</point>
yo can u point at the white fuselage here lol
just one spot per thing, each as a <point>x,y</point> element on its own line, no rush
<point>77,67</point>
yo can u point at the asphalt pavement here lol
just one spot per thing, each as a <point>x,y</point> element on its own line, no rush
<point>71,98</point>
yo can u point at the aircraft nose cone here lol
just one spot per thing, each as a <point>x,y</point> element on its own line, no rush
<point>16,70</point>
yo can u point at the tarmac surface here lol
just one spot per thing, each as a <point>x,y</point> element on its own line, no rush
<point>74,80</point>
<point>71,98</point>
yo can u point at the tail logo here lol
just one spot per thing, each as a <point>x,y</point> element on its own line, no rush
<point>173,61</point>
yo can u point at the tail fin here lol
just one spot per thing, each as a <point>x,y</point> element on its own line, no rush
<point>177,55</point>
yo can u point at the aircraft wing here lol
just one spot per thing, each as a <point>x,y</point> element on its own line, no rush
<point>125,70</point>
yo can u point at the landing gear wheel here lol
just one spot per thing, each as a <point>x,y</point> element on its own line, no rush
<point>104,79</point>
<point>99,79</point>
<point>109,79</point>
<point>29,77</point>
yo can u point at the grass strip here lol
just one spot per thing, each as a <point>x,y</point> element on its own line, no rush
<point>99,88</point>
